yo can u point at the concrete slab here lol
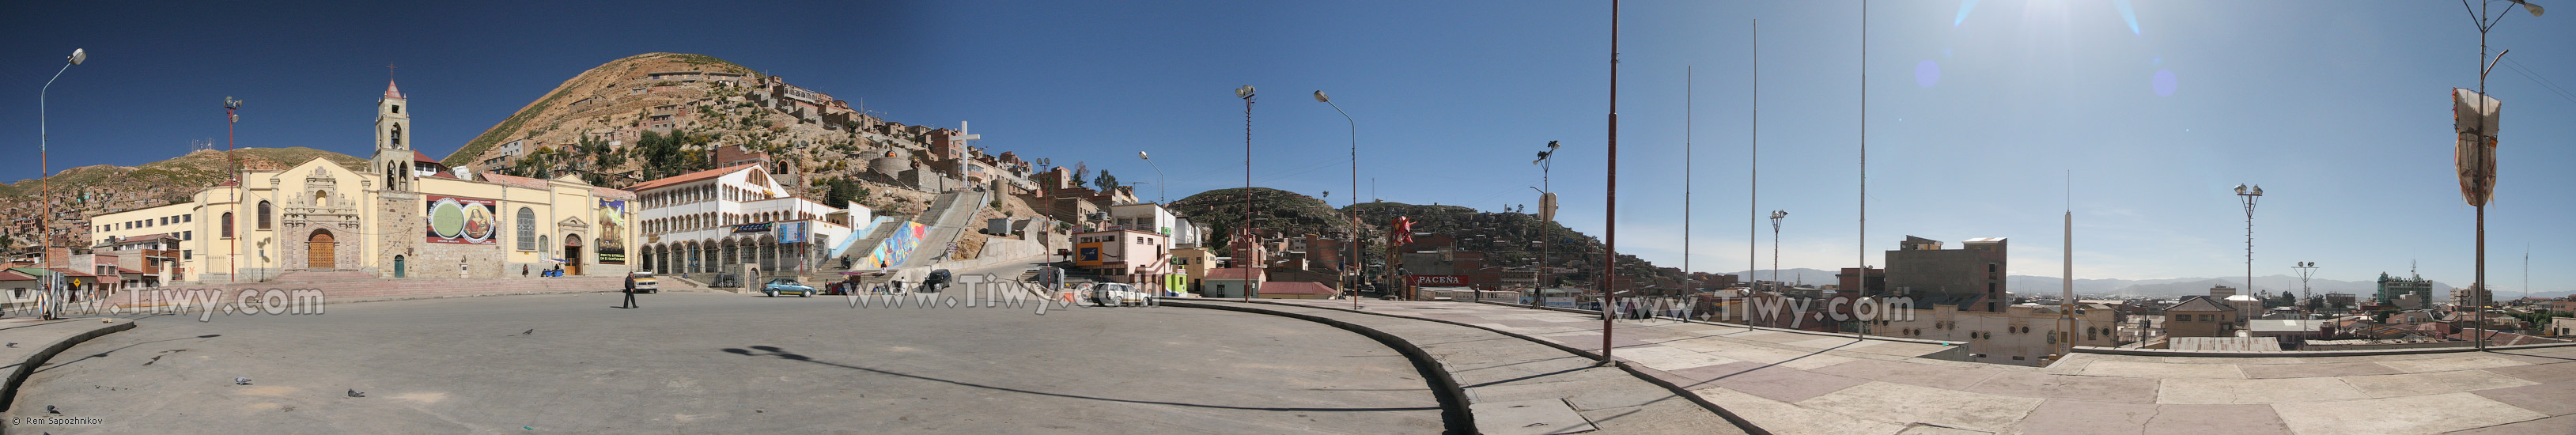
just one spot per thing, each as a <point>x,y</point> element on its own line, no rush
<point>2137,369</point>
<point>1925,429</point>
<point>1670,358</point>
<point>2025,384</point>
<point>2418,384</point>
<point>2412,414</point>
<point>1787,419</point>
<point>2273,371</point>
<point>1529,417</point>
<point>2558,398</point>
<point>1913,404</point>
<point>1935,376</point>
<point>2215,419</point>
<point>2255,391</point>
<point>2472,362</point>
<point>2561,372</point>
<point>2079,417</point>
<point>1771,382</point>
<point>2560,425</point>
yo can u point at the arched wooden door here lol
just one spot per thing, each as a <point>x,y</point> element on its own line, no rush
<point>572,254</point>
<point>318,251</point>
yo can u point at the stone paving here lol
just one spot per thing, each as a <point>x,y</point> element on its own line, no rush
<point>1790,382</point>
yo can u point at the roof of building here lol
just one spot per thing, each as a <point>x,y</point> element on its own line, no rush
<point>2225,344</point>
<point>391,91</point>
<point>1986,240</point>
<point>30,271</point>
<point>1232,274</point>
<point>689,177</point>
<point>416,156</point>
<point>526,182</point>
<point>1295,288</point>
<point>2260,326</point>
<point>122,270</point>
<point>12,275</point>
<point>2198,304</point>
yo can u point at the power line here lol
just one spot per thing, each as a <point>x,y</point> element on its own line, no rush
<point>2553,87</point>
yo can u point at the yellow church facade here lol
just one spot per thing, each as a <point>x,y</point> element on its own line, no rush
<point>402,216</point>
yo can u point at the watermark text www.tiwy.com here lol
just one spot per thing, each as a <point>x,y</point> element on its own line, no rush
<point>203,302</point>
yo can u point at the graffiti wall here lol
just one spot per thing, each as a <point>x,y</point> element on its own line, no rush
<point>462,221</point>
<point>612,231</point>
<point>897,248</point>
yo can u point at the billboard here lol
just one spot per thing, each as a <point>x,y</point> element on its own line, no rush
<point>794,232</point>
<point>1436,280</point>
<point>612,232</point>
<point>462,221</point>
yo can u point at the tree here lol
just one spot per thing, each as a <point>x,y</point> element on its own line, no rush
<point>1106,181</point>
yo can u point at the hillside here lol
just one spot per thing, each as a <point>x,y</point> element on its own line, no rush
<point>87,191</point>
<point>1221,211</point>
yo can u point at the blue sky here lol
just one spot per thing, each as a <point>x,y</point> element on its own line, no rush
<point>2336,110</point>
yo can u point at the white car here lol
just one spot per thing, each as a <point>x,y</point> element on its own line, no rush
<point>1106,294</point>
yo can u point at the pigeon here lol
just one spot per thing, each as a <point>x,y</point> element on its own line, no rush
<point>49,409</point>
<point>354,393</point>
<point>241,381</point>
<point>530,332</point>
<point>13,344</point>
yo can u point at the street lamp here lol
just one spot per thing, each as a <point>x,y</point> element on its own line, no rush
<point>2475,154</point>
<point>1776,216</point>
<point>2249,196</point>
<point>1353,237</point>
<point>1158,175</point>
<point>1248,251</point>
<point>1546,213</point>
<point>44,157</point>
<point>2306,269</point>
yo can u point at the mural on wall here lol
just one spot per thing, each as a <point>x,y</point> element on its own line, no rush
<point>897,248</point>
<point>612,232</point>
<point>462,221</point>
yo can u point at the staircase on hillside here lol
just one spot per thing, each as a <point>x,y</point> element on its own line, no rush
<point>950,216</point>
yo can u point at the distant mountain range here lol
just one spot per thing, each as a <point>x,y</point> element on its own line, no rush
<point>2028,285</point>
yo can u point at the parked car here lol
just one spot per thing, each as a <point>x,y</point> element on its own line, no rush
<point>931,284</point>
<point>777,286</point>
<point>645,283</point>
<point>1110,293</point>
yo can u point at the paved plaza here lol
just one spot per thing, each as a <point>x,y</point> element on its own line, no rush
<point>1790,382</point>
<point>725,363</point>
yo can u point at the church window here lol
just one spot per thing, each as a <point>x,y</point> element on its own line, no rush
<point>265,221</point>
<point>228,225</point>
<point>527,229</point>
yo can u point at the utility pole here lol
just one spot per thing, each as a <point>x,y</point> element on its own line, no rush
<point>1252,240</point>
<point>1610,208</point>
<point>233,162</point>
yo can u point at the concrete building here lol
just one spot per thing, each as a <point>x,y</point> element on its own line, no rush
<point>716,220</point>
<point>2562,326</point>
<point>2019,335</point>
<point>2200,316</point>
<point>401,216</point>
<point>2391,289</point>
<point>1232,282</point>
<point>1971,277</point>
<point>2291,333</point>
<point>1128,256</point>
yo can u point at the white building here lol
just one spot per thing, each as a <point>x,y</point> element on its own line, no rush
<point>703,221</point>
<point>2020,335</point>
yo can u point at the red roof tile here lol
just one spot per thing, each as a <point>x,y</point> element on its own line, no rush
<point>1232,273</point>
<point>418,157</point>
<point>390,91</point>
<point>689,177</point>
<point>12,275</point>
<point>1294,288</point>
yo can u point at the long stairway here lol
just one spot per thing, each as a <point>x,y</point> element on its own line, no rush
<point>952,214</point>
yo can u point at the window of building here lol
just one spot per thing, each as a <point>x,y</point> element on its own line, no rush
<point>265,219</point>
<point>527,229</point>
<point>228,225</point>
<point>187,218</point>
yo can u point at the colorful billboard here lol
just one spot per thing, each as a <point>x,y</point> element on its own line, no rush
<point>462,221</point>
<point>897,247</point>
<point>612,232</point>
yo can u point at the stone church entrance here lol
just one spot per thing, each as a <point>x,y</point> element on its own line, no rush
<point>318,251</point>
<point>572,254</point>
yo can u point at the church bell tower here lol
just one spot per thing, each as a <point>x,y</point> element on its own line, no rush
<point>393,159</point>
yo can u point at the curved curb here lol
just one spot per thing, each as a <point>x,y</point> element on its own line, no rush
<point>1739,421</point>
<point>9,391</point>
<point>1453,398</point>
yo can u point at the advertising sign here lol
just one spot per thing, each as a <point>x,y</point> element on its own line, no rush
<point>462,221</point>
<point>1436,280</point>
<point>612,231</point>
<point>793,232</point>
<point>762,227</point>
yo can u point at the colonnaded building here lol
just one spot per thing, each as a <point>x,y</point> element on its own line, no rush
<point>403,216</point>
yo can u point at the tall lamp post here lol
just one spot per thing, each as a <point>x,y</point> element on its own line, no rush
<point>1610,201</point>
<point>1353,238</point>
<point>2249,196</point>
<point>2306,269</point>
<point>2476,158</point>
<point>1776,215</point>
<point>1250,249</point>
<point>232,260</point>
<point>44,157</point>
<point>1158,175</point>
<point>1546,216</point>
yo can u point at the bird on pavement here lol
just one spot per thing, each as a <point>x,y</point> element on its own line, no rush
<point>531,331</point>
<point>13,344</point>
<point>49,409</point>
<point>354,393</point>
<point>241,381</point>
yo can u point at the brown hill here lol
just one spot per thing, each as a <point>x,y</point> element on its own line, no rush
<point>81,192</point>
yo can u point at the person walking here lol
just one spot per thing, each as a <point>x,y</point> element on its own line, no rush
<point>630,292</point>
